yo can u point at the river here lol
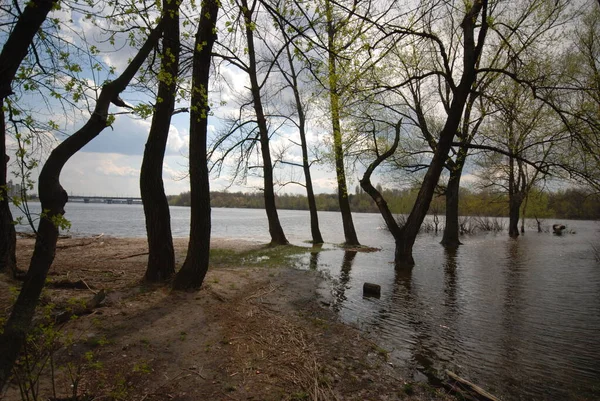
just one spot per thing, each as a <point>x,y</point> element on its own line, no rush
<point>519,317</point>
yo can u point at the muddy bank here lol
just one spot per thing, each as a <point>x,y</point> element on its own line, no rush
<point>256,331</point>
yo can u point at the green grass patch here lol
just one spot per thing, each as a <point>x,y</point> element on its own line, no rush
<point>265,256</point>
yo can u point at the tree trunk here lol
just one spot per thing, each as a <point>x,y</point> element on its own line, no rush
<point>194,268</point>
<point>523,215</point>
<point>8,235</point>
<point>451,230</point>
<point>315,231</point>
<point>13,52</point>
<point>343,199</point>
<point>53,199</point>
<point>275,229</point>
<point>312,204</point>
<point>368,187</point>
<point>161,255</point>
<point>408,235</point>
<point>513,214</point>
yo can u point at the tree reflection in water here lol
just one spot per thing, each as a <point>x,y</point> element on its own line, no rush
<point>340,287</point>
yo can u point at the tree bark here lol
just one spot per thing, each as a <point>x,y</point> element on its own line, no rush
<point>8,235</point>
<point>53,199</point>
<point>343,199</point>
<point>514,208</point>
<point>194,268</point>
<point>275,229</point>
<point>368,187</point>
<point>451,230</point>
<point>472,51</point>
<point>161,256</point>
<point>13,52</point>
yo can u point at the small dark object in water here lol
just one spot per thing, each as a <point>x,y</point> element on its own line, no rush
<point>558,228</point>
<point>371,290</point>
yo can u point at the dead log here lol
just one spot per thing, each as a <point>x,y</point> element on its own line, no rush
<point>80,310</point>
<point>481,394</point>
<point>133,255</point>
<point>70,285</point>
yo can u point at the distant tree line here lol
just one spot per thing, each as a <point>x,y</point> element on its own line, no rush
<point>572,203</point>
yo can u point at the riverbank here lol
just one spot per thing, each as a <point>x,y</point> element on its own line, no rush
<point>256,330</point>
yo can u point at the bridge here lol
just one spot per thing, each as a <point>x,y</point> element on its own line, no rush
<point>128,200</point>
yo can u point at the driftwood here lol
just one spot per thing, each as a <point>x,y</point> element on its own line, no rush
<point>82,243</point>
<point>133,255</point>
<point>80,310</point>
<point>480,393</point>
<point>68,284</point>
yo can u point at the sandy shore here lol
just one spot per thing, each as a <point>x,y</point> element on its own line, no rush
<point>253,332</point>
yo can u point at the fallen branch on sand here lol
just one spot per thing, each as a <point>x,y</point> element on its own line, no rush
<point>133,255</point>
<point>80,310</point>
<point>83,243</point>
<point>68,284</point>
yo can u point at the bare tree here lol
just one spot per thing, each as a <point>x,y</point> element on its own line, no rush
<point>291,73</point>
<point>249,133</point>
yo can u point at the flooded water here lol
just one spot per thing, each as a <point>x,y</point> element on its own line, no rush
<point>519,317</point>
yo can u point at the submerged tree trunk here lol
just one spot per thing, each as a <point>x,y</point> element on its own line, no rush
<point>405,241</point>
<point>194,268</point>
<point>275,229</point>
<point>161,255</point>
<point>13,52</point>
<point>523,215</point>
<point>53,199</point>
<point>514,208</point>
<point>343,199</point>
<point>451,229</point>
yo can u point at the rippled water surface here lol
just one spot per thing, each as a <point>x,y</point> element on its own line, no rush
<point>519,317</point>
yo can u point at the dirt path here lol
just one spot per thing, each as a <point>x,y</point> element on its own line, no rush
<point>251,333</point>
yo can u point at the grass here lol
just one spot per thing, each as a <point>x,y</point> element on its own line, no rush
<point>265,256</point>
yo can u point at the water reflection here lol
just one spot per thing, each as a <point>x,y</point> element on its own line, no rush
<point>513,352</point>
<point>340,287</point>
<point>315,251</point>
<point>450,282</point>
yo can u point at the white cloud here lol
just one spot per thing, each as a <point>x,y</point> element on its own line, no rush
<point>108,167</point>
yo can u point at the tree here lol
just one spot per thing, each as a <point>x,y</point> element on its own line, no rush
<point>336,28</point>
<point>525,129</point>
<point>474,22</point>
<point>275,229</point>
<point>161,256</point>
<point>195,266</point>
<point>579,101</point>
<point>248,133</point>
<point>53,199</point>
<point>291,77</point>
<point>455,69</point>
<point>13,52</point>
